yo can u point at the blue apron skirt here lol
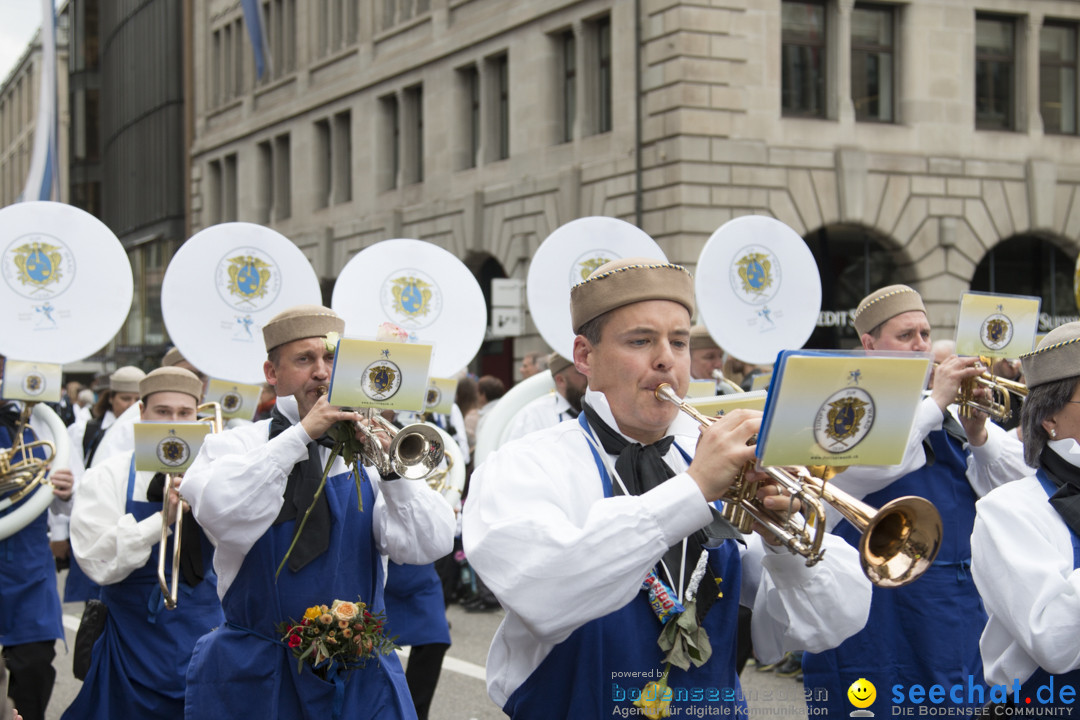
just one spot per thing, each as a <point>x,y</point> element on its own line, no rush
<point>29,602</point>
<point>925,633</point>
<point>415,607</point>
<point>244,670</point>
<point>138,665</point>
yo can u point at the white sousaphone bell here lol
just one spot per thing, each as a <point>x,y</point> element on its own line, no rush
<point>54,259</point>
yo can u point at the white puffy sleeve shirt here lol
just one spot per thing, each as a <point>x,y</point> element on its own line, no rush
<point>543,412</point>
<point>997,461</point>
<point>1022,564</point>
<point>107,540</point>
<point>558,554</point>
<point>235,488</point>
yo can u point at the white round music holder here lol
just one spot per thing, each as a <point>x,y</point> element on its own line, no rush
<point>222,286</point>
<point>565,258</point>
<point>65,282</point>
<point>423,289</point>
<point>758,289</point>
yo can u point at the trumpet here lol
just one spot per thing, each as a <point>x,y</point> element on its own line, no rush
<point>898,543</point>
<point>169,591</point>
<point>415,450</point>
<point>997,403</point>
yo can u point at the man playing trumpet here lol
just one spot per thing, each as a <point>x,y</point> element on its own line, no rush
<point>250,488</point>
<point>138,664</point>
<point>595,533</point>
<point>926,633</point>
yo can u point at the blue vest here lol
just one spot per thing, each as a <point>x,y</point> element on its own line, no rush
<point>29,601</point>
<point>415,607</point>
<point>925,633</point>
<point>138,664</point>
<point>598,670</point>
<point>244,670</point>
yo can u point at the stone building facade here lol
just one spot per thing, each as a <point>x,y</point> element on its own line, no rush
<point>931,141</point>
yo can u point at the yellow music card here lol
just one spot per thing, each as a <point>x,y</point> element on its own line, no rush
<point>720,404</point>
<point>701,388</point>
<point>168,447</point>
<point>440,395</point>
<point>378,374</point>
<point>997,326</point>
<point>842,408</point>
<point>761,382</point>
<point>31,381</point>
<point>237,400</point>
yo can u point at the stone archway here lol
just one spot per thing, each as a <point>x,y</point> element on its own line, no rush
<point>1031,264</point>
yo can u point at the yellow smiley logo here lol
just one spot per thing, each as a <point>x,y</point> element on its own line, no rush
<point>862,693</point>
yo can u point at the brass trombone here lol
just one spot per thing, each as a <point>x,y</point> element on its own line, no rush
<point>169,591</point>
<point>997,404</point>
<point>899,541</point>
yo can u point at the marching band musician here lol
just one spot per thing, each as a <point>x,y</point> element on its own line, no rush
<point>1025,546</point>
<point>571,525</point>
<point>138,664</point>
<point>30,611</point>
<point>551,408</point>
<point>925,633</point>
<point>706,357</point>
<point>248,488</point>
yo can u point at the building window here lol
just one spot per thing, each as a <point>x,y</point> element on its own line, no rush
<point>600,31</point>
<point>391,142</point>
<point>227,66</point>
<point>568,65</point>
<point>803,62</point>
<point>333,160</point>
<point>229,192</point>
<point>1057,78</point>
<point>337,23</point>
<point>995,60</point>
<point>469,109</point>
<point>264,182</point>
<point>395,12</point>
<point>872,52</point>
<point>412,151</point>
<point>273,181</point>
<point>500,73</point>
<point>221,191</point>
<point>282,177</point>
<point>280,18</point>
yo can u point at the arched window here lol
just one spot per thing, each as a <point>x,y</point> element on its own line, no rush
<point>1031,265</point>
<point>853,261</point>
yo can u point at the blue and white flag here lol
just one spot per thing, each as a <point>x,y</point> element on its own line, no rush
<point>43,180</point>
<point>256,25</point>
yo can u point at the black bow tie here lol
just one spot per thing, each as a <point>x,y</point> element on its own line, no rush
<point>1066,477</point>
<point>299,494</point>
<point>642,468</point>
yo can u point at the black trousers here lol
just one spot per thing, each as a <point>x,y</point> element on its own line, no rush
<point>425,664</point>
<point>31,677</point>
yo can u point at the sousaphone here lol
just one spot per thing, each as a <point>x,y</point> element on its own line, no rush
<point>66,288</point>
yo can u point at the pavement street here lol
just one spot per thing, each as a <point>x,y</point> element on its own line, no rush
<point>461,693</point>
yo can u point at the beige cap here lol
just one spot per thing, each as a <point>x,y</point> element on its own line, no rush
<point>299,322</point>
<point>1057,356</point>
<point>171,379</point>
<point>557,363</point>
<point>173,357</point>
<point>126,379</point>
<point>884,304</point>
<point>700,339</point>
<point>626,281</point>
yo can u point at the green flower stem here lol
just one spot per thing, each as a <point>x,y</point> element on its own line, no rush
<point>303,521</point>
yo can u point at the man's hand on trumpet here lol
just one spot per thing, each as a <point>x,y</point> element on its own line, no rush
<point>773,497</point>
<point>175,500</point>
<point>722,452</point>
<point>948,376</point>
<point>62,481</point>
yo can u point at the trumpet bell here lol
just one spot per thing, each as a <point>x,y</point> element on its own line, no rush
<point>900,542</point>
<point>416,451</point>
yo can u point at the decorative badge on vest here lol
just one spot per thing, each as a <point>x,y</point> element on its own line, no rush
<point>997,330</point>
<point>248,279</point>
<point>172,450</point>
<point>38,270</point>
<point>845,418</point>
<point>755,274</point>
<point>584,265</point>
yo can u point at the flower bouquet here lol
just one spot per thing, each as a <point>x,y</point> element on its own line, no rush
<point>335,638</point>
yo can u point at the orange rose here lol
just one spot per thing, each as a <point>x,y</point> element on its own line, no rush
<point>344,610</point>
